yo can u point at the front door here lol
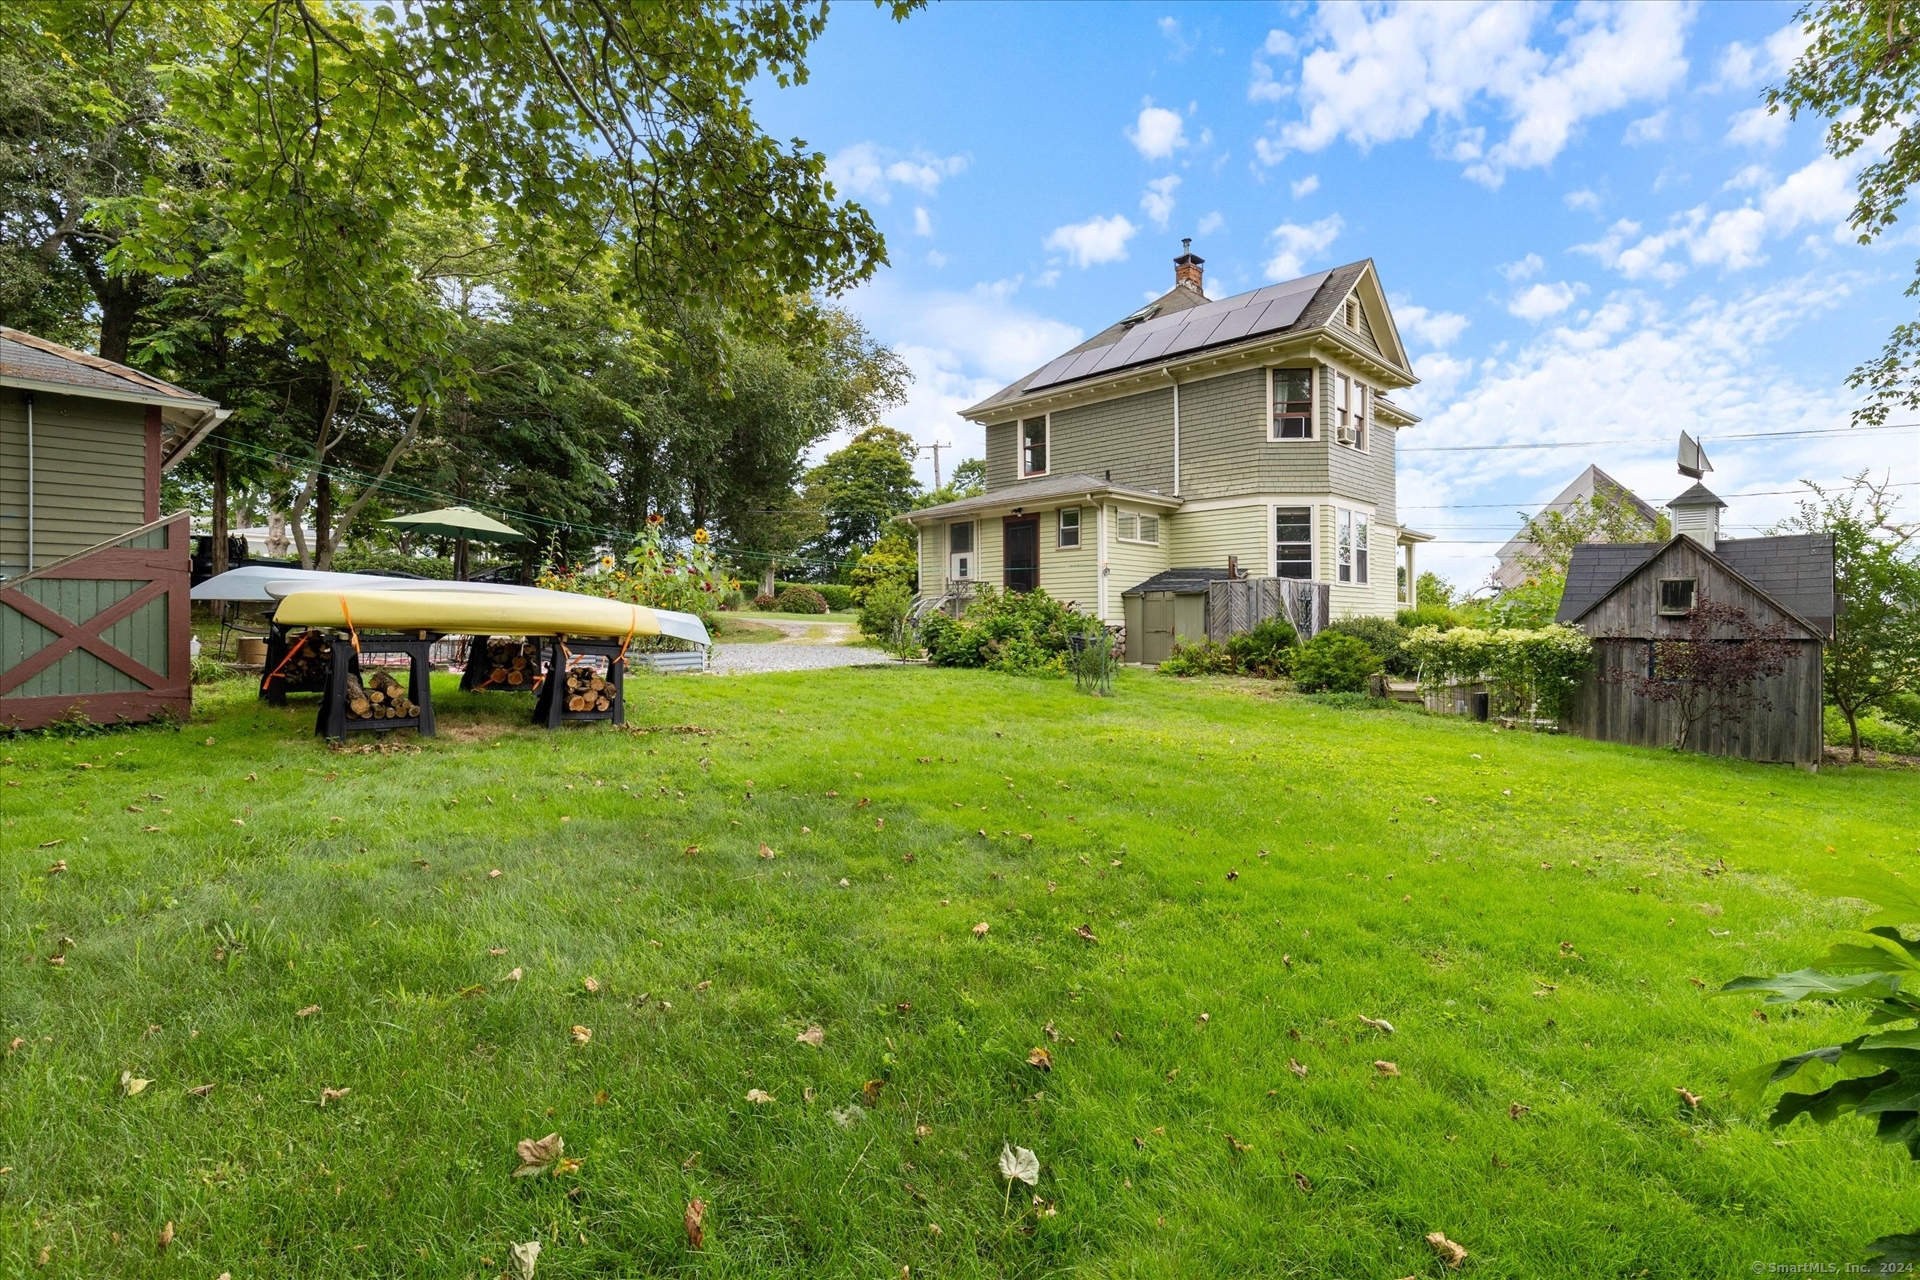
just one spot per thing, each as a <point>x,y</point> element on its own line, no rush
<point>1022,553</point>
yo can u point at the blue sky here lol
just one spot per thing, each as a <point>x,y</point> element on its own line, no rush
<point>1588,230</point>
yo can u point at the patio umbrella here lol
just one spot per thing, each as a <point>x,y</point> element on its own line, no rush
<point>461,524</point>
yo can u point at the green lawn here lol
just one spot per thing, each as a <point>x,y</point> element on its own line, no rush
<point>1526,911</point>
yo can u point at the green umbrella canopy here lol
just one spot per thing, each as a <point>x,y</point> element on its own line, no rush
<point>460,522</point>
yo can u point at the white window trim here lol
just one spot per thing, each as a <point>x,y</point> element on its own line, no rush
<point>1136,513</point>
<point>1372,518</point>
<point>1079,529</point>
<point>1313,537</point>
<point>1020,445</point>
<point>1332,381</point>
<point>1313,397</point>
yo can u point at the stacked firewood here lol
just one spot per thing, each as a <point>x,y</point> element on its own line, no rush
<point>379,697</point>
<point>587,690</point>
<point>512,663</point>
<point>308,665</point>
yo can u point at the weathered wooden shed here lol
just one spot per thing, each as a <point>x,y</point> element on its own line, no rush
<point>93,580</point>
<point>1627,595</point>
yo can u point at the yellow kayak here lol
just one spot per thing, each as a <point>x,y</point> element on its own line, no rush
<point>468,613</point>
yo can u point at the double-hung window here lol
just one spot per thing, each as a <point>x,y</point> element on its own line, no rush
<point>1292,404</point>
<point>1069,528</point>
<point>1293,543</point>
<point>1350,546</point>
<point>1350,411</point>
<point>1033,447</point>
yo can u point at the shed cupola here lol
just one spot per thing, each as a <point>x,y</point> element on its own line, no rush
<point>1696,513</point>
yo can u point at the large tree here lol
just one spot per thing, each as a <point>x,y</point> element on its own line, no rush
<point>862,486</point>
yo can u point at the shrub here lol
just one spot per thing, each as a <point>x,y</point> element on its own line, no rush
<point>1021,633</point>
<point>1876,733</point>
<point>1385,637</point>
<point>1334,662</point>
<point>839,597</point>
<point>1268,650</point>
<point>1428,615</point>
<point>1530,673</point>
<point>800,600</point>
<point>894,558</point>
<point>1203,659</point>
<point>1903,709</point>
<point>765,603</point>
<point>884,610</point>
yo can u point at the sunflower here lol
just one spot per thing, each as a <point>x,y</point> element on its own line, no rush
<point>700,537</point>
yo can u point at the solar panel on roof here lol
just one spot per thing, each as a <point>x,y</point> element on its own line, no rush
<point>1265,310</point>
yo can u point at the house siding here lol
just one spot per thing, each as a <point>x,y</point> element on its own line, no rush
<point>90,461</point>
<point>1204,539</point>
<point>1132,437</point>
<point>1002,466</point>
<point>1131,563</point>
<point>1071,574</point>
<point>933,559</point>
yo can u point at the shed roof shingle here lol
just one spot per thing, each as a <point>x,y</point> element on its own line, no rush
<point>1795,570</point>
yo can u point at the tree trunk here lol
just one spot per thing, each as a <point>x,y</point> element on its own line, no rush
<point>1853,731</point>
<point>459,559</point>
<point>219,509</point>
<point>119,298</point>
<point>768,578</point>
<point>323,521</point>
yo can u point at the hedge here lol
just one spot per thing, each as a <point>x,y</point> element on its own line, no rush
<point>1531,674</point>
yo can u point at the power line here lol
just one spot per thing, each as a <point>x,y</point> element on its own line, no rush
<point>1511,506</point>
<point>1594,444</point>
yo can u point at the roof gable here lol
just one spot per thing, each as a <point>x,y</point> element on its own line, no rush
<point>1598,571</point>
<point>39,365</point>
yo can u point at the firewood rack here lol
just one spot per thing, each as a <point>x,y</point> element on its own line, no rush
<point>551,709</point>
<point>274,687</point>
<point>335,724</point>
<point>473,678</point>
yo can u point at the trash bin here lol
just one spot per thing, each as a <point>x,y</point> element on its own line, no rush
<point>1479,705</point>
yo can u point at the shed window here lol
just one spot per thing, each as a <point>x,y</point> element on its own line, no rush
<point>1293,543</point>
<point>1033,447</point>
<point>1676,597</point>
<point>1069,527</point>
<point>1292,404</point>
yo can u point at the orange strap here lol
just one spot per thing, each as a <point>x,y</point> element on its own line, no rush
<point>301,644</point>
<point>350,631</point>
<point>622,655</point>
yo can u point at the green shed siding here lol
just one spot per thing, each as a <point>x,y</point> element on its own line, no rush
<point>1132,437</point>
<point>89,475</point>
<point>1204,539</point>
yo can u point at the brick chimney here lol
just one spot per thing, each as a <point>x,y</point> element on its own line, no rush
<point>1187,269</point>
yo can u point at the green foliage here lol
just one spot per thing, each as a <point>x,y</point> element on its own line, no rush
<point>893,559</point>
<point>1204,658</point>
<point>656,572</point>
<point>1385,637</point>
<point>799,599</point>
<point>1874,655</point>
<point>1334,662</point>
<point>1904,709</point>
<point>1267,649</point>
<point>1530,674</point>
<point>1533,603</point>
<point>356,559</point>
<point>839,596</point>
<point>1022,633</point>
<point>861,487</point>
<point>885,609</point>
<point>1432,589</point>
<point>1876,733</point>
<point>968,480</point>
<point>1873,1075</point>
<point>1608,515</point>
<point>766,603</point>
<point>1427,615</point>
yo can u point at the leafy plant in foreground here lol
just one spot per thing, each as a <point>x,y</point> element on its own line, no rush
<point>1878,1073</point>
<point>1333,662</point>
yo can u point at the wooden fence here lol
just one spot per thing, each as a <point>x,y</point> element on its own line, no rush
<point>1239,604</point>
<point>102,635</point>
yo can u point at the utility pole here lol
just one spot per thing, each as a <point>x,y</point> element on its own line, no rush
<point>935,448</point>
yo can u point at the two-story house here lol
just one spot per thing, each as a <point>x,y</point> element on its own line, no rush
<point>1254,429</point>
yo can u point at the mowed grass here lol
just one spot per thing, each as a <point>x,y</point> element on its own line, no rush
<point>1528,912</point>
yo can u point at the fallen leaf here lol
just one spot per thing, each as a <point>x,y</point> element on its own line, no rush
<point>1020,1163</point>
<point>923,1131</point>
<point>582,1034</point>
<point>15,1043</point>
<point>765,852</point>
<point>1205,1018</point>
<point>477,989</point>
<point>1026,837</point>
<point>1378,1024</point>
<point>845,883</point>
<point>813,1035</point>
<point>1298,1067</point>
<point>537,1153</point>
<point>696,1234</point>
<point>333,1095</point>
<point>1052,1034</point>
<point>692,849</point>
<point>1698,982</point>
<point>980,930</point>
<point>525,1258</point>
<point>600,1098</point>
<point>1041,1058</point>
<point>1517,1110</point>
<point>1236,1146</point>
<point>871,1091</point>
<point>690,1161</point>
<point>1233,875</point>
<point>565,1165</point>
<point>496,951</point>
<point>1450,1253</point>
<point>513,975</point>
<point>592,985</point>
<point>201,1090</point>
<point>131,1084</point>
<point>307,1012</point>
<point>166,1234</point>
<point>494,874</point>
<point>1085,931</point>
<point>1386,1068</point>
<point>758,1096</point>
<point>1692,1099</point>
<point>1301,1181</point>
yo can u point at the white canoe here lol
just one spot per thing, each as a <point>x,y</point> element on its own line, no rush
<point>468,613</point>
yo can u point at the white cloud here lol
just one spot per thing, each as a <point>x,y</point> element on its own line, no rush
<point>1743,66</point>
<point>1757,127</point>
<point>1525,269</point>
<point>1210,224</point>
<point>1157,202</point>
<point>922,223</point>
<point>1582,199</point>
<point>1434,328</point>
<point>1264,88</point>
<point>1647,129</point>
<point>864,171</point>
<point>1094,241</point>
<point>936,259</point>
<point>1306,186</point>
<point>1157,132</point>
<point>1170,28</point>
<point>1544,300</point>
<point>1381,74</point>
<point>1820,193</point>
<point>1295,245</point>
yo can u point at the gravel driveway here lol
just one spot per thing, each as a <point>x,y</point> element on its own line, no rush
<point>808,646</point>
